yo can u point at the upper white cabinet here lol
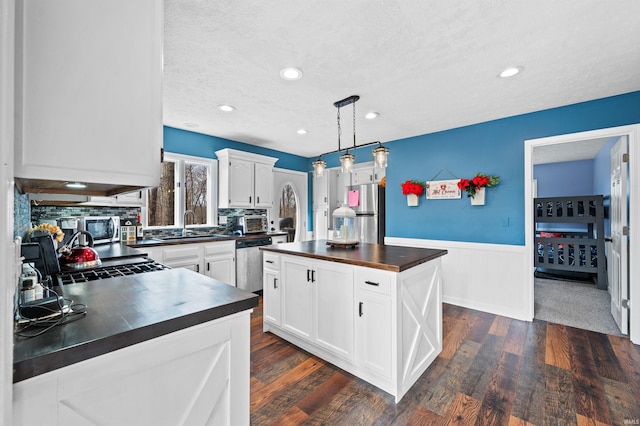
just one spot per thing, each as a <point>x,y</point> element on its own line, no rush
<point>88,95</point>
<point>368,174</point>
<point>245,180</point>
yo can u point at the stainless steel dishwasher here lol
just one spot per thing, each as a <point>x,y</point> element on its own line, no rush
<point>249,263</point>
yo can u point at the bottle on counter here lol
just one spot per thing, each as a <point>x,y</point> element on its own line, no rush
<point>139,231</point>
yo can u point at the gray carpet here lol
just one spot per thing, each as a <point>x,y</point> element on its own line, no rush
<point>574,304</point>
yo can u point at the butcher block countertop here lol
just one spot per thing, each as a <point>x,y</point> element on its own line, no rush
<point>378,256</point>
<point>124,311</point>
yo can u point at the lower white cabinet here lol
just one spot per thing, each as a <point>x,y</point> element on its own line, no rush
<point>183,256</point>
<point>382,326</point>
<point>215,259</point>
<point>199,375</point>
<point>220,261</point>
<point>271,285</point>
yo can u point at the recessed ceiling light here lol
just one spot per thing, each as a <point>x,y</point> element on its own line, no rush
<point>371,115</point>
<point>291,73</point>
<point>75,185</point>
<point>226,108</point>
<point>302,132</point>
<point>510,72</point>
<point>191,125</point>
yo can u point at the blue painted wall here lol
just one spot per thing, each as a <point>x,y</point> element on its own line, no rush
<point>494,147</point>
<point>196,144</point>
<point>565,178</point>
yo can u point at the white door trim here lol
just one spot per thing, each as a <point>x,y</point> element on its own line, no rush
<point>303,194</point>
<point>633,133</point>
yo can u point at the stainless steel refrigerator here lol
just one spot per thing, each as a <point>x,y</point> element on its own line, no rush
<point>368,203</point>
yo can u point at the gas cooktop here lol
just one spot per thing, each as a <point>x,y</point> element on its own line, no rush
<point>112,269</point>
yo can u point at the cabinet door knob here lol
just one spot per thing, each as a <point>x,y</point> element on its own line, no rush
<point>313,276</point>
<point>372,283</point>
<point>258,200</point>
<point>198,268</point>
<point>308,275</point>
<point>249,199</point>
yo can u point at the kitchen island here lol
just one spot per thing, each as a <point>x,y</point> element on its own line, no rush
<point>165,347</point>
<point>373,310</point>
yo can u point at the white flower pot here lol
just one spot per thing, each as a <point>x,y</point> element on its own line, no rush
<point>478,198</point>
<point>412,200</point>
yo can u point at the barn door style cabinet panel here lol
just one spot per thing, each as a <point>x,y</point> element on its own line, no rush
<point>88,87</point>
<point>245,180</point>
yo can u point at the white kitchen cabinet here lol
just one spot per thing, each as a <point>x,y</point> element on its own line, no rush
<point>321,190</point>
<point>272,287</point>
<point>88,95</point>
<point>245,180</point>
<point>183,256</point>
<point>321,220</point>
<point>373,325</point>
<point>220,261</point>
<point>215,259</point>
<point>202,372</point>
<point>297,294</point>
<point>333,307</point>
<point>367,174</point>
<point>278,239</point>
<point>317,303</point>
<point>384,327</point>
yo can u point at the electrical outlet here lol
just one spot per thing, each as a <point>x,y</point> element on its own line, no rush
<point>222,220</point>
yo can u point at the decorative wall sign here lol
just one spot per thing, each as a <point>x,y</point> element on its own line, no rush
<point>443,189</point>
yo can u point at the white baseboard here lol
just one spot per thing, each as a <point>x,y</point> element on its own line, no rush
<point>491,278</point>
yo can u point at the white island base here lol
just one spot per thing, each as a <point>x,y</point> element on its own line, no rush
<point>384,327</point>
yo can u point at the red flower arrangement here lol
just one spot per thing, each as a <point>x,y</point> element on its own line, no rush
<point>413,187</point>
<point>480,180</point>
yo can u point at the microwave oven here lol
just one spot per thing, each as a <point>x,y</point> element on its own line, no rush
<point>250,224</point>
<point>103,229</point>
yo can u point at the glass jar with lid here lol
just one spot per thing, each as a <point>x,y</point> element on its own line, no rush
<point>344,225</point>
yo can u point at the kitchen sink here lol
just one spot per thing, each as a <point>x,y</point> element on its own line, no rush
<point>191,237</point>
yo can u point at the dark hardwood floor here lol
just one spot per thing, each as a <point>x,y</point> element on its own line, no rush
<point>492,371</point>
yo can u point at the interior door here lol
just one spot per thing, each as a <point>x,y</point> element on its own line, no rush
<point>618,259</point>
<point>297,181</point>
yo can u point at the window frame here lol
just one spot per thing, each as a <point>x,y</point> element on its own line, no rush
<point>180,198</point>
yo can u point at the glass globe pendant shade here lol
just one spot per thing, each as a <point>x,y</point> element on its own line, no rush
<point>380,155</point>
<point>344,225</point>
<point>346,161</point>
<point>318,167</point>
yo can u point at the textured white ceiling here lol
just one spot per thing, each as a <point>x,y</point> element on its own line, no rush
<point>425,66</point>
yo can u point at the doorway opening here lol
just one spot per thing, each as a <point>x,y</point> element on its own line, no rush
<point>290,207</point>
<point>288,212</point>
<point>572,144</point>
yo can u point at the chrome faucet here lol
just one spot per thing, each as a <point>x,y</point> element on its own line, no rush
<point>184,221</point>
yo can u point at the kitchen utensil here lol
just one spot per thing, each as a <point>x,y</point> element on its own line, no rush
<point>80,257</point>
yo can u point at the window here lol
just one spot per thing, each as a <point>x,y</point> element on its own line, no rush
<point>186,184</point>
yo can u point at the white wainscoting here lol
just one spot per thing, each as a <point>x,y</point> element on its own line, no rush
<point>491,278</point>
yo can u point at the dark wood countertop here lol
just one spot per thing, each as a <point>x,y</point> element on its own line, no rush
<point>378,256</point>
<point>124,311</point>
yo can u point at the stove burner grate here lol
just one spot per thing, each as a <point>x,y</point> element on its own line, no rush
<point>104,272</point>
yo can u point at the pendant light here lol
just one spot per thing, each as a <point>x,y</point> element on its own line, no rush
<point>347,160</point>
<point>380,155</point>
<point>318,166</point>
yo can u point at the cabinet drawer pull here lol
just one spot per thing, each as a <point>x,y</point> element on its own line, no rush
<point>208,266</point>
<point>372,283</point>
<point>269,261</point>
<point>258,200</point>
<point>308,275</point>
<point>360,309</point>
<point>313,276</point>
<point>275,283</point>
<point>198,268</point>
